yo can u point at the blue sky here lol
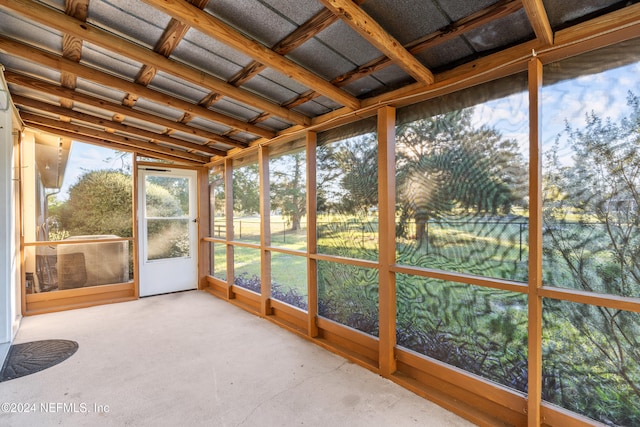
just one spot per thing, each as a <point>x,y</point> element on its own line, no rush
<point>87,157</point>
<point>604,93</point>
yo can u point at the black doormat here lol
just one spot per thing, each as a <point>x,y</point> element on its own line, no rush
<point>31,357</point>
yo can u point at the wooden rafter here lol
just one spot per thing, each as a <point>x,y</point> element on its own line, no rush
<point>217,29</point>
<point>303,33</point>
<point>307,30</point>
<point>71,45</point>
<point>456,29</point>
<point>171,37</point>
<point>368,28</point>
<point>56,62</point>
<point>75,129</point>
<point>498,10</point>
<point>539,20</point>
<point>114,125</point>
<point>117,109</point>
<point>61,22</point>
<point>299,36</point>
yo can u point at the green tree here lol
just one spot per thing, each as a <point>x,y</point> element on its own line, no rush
<point>100,203</point>
<point>445,163</point>
<point>357,159</point>
<point>246,189</point>
<point>288,188</point>
<point>592,243</point>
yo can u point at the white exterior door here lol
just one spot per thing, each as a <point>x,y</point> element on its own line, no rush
<point>167,215</point>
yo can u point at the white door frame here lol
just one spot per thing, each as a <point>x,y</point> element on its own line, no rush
<point>159,276</point>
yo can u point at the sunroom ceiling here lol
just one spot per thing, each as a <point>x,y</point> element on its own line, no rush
<point>190,80</point>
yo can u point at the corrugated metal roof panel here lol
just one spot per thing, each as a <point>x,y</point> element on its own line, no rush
<point>187,137</point>
<point>406,20</point>
<point>169,83</point>
<point>233,108</point>
<point>275,123</point>
<point>321,59</point>
<point>204,124</point>
<point>449,52</point>
<point>145,105</point>
<point>391,77</point>
<point>18,28</point>
<point>348,43</point>
<point>40,96</point>
<point>91,110</point>
<point>255,19</point>
<point>132,121</point>
<point>244,137</point>
<point>298,11</point>
<point>133,20</point>
<point>501,32</point>
<point>274,86</point>
<point>209,55</point>
<point>30,68</point>
<point>98,90</point>
<point>563,12</point>
<point>108,61</point>
<point>56,4</point>
<point>458,9</point>
<point>366,85</point>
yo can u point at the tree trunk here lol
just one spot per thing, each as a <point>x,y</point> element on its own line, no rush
<point>421,229</point>
<point>295,223</point>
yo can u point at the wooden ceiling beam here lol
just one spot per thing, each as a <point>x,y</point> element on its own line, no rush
<point>539,20</point>
<point>71,45</point>
<point>56,62</point>
<point>75,130</point>
<point>61,22</point>
<point>166,44</point>
<point>303,33</point>
<point>497,10</point>
<point>111,124</point>
<point>115,108</point>
<point>214,27</point>
<point>373,32</point>
<point>309,29</point>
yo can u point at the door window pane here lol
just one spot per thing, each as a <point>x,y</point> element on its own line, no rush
<point>167,238</point>
<point>167,217</point>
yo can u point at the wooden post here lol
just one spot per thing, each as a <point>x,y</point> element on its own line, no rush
<point>312,241</point>
<point>265,231</point>
<point>228,207</point>
<point>535,246</point>
<point>386,239</point>
<point>203,203</point>
<point>136,216</point>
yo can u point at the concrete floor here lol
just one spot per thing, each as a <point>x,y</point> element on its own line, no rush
<point>190,359</point>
